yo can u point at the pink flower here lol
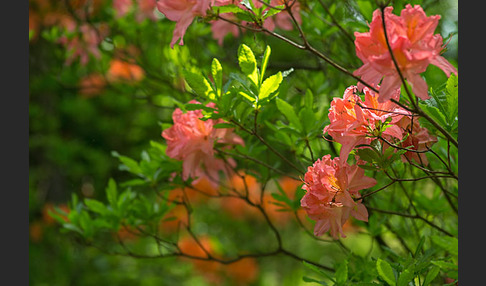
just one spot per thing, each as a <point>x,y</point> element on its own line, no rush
<point>354,122</point>
<point>192,140</point>
<point>220,28</point>
<point>332,186</point>
<point>84,45</point>
<point>182,12</point>
<point>145,10</point>
<point>122,7</point>
<point>414,47</point>
<point>283,20</point>
<point>418,139</point>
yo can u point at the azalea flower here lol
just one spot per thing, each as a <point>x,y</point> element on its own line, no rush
<point>354,121</point>
<point>182,12</point>
<point>332,194</point>
<point>418,139</point>
<point>192,140</point>
<point>414,45</point>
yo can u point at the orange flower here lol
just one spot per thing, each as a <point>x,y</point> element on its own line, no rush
<point>124,71</point>
<point>209,269</point>
<point>174,219</point>
<point>275,212</point>
<point>290,186</point>
<point>242,272</point>
<point>91,85</point>
<point>239,208</point>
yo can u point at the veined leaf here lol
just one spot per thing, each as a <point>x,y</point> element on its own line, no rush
<point>226,9</point>
<point>248,64</point>
<point>270,85</point>
<point>199,84</point>
<point>266,56</point>
<point>217,72</point>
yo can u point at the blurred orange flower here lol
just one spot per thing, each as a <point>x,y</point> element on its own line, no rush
<point>124,71</point>
<point>91,85</point>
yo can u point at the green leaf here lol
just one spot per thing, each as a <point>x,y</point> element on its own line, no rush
<point>450,244</point>
<point>342,273</point>
<point>309,99</point>
<point>271,12</point>
<point>385,271</point>
<point>318,270</point>
<point>270,85</point>
<point>111,192</point>
<point>217,72</point>
<point>431,275</point>
<point>266,56</point>
<point>452,92</point>
<point>226,9</point>
<point>445,265</point>
<point>405,277</point>
<point>247,62</point>
<point>288,111</point>
<point>247,96</point>
<point>419,246</point>
<point>95,206</point>
<point>366,9</point>
<point>312,280</point>
<point>199,84</point>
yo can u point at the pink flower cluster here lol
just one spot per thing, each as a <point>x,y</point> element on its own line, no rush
<point>332,194</point>
<point>332,186</point>
<point>354,122</point>
<point>414,45</point>
<point>144,9</point>
<point>84,45</point>
<point>192,140</point>
<point>183,13</point>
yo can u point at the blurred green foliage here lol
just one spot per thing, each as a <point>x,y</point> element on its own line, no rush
<point>103,148</point>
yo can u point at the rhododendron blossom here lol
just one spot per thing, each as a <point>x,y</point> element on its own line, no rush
<point>414,45</point>
<point>354,122</point>
<point>182,12</point>
<point>192,140</point>
<point>332,194</point>
<point>418,139</point>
